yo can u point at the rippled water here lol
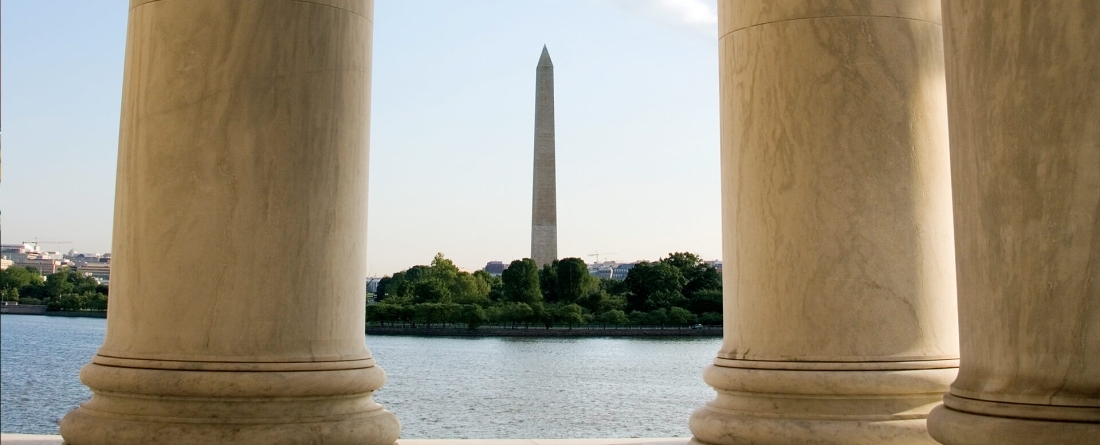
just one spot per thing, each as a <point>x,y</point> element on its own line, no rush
<point>438,387</point>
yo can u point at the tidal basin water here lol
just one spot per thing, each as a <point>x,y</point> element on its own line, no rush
<point>485,388</point>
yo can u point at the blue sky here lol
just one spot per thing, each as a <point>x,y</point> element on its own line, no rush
<point>451,127</point>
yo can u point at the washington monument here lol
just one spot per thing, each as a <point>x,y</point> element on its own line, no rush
<point>544,207</point>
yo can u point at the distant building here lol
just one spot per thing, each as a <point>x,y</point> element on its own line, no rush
<point>82,259</point>
<point>716,263</point>
<point>603,270</point>
<point>495,268</point>
<point>5,263</point>
<point>18,252</point>
<point>45,266</point>
<point>53,255</point>
<point>21,248</point>
<point>610,270</point>
<point>622,270</point>
<point>372,284</point>
<point>100,271</point>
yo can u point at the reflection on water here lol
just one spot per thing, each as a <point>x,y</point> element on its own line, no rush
<point>438,387</point>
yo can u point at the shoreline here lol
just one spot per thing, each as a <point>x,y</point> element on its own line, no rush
<point>532,331</point>
<point>618,331</point>
<point>71,314</point>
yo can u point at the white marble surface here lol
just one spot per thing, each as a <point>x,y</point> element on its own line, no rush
<point>836,192</point>
<point>243,142</point>
<point>32,439</point>
<point>236,313</point>
<point>839,279</point>
<point>1024,101</point>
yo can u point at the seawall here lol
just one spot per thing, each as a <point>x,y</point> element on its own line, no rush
<point>41,310</point>
<point>533,331</point>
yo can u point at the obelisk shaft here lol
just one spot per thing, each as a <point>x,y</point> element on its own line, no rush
<point>544,213</point>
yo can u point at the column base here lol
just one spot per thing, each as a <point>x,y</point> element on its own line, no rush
<point>951,426</point>
<point>721,429</point>
<point>288,404</point>
<point>806,403</point>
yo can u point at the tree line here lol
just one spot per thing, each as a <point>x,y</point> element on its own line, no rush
<point>65,290</point>
<point>678,290</point>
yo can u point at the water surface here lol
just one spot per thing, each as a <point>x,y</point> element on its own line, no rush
<point>485,388</point>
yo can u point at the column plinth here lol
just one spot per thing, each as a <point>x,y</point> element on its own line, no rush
<point>839,278</point>
<point>1023,84</point>
<point>237,311</point>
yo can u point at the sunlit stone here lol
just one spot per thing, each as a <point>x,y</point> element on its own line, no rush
<point>243,142</point>
<point>839,277</point>
<point>544,207</point>
<point>1024,84</point>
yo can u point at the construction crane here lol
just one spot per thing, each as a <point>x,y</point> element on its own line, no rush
<point>597,255</point>
<point>36,242</point>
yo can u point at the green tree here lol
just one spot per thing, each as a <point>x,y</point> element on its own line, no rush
<point>474,316</point>
<point>385,312</point>
<point>10,294</point>
<point>496,314</point>
<point>613,317</point>
<point>666,299</point>
<point>703,278</point>
<point>494,284</point>
<point>613,287</point>
<point>58,284</point>
<point>452,313</point>
<point>599,301</point>
<point>658,317</point>
<point>431,290</point>
<point>469,289</point>
<point>515,313</point>
<point>683,261</point>
<point>680,316</point>
<point>698,275</point>
<point>443,269</point>
<point>95,301</point>
<point>711,318</point>
<point>68,281</point>
<point>548,282</point>
<point>647,279</point>
<point>397,286</point>
<point>572,280</point>
<point>521,282</point>
<point>374,314</point>
<point>706,300</point>
<point>18,277</point>
<point>571,314</point>
<point>411,277</point>
<point>432,313</point>
<point>545,313</point>
<point>383,284</point>
<point>68,302</point>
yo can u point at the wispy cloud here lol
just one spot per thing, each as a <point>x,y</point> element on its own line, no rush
<point>696,16</point>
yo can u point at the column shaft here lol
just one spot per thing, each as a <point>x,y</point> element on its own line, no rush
<point>237,307</point>
<point>839,273</point>
<point>1024,100</point>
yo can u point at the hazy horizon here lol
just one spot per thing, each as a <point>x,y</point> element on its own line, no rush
<point>452,127</point>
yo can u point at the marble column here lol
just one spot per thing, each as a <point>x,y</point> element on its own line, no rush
<point>237,308</point>
<point>1023,83</point>
<point>839,279</point>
